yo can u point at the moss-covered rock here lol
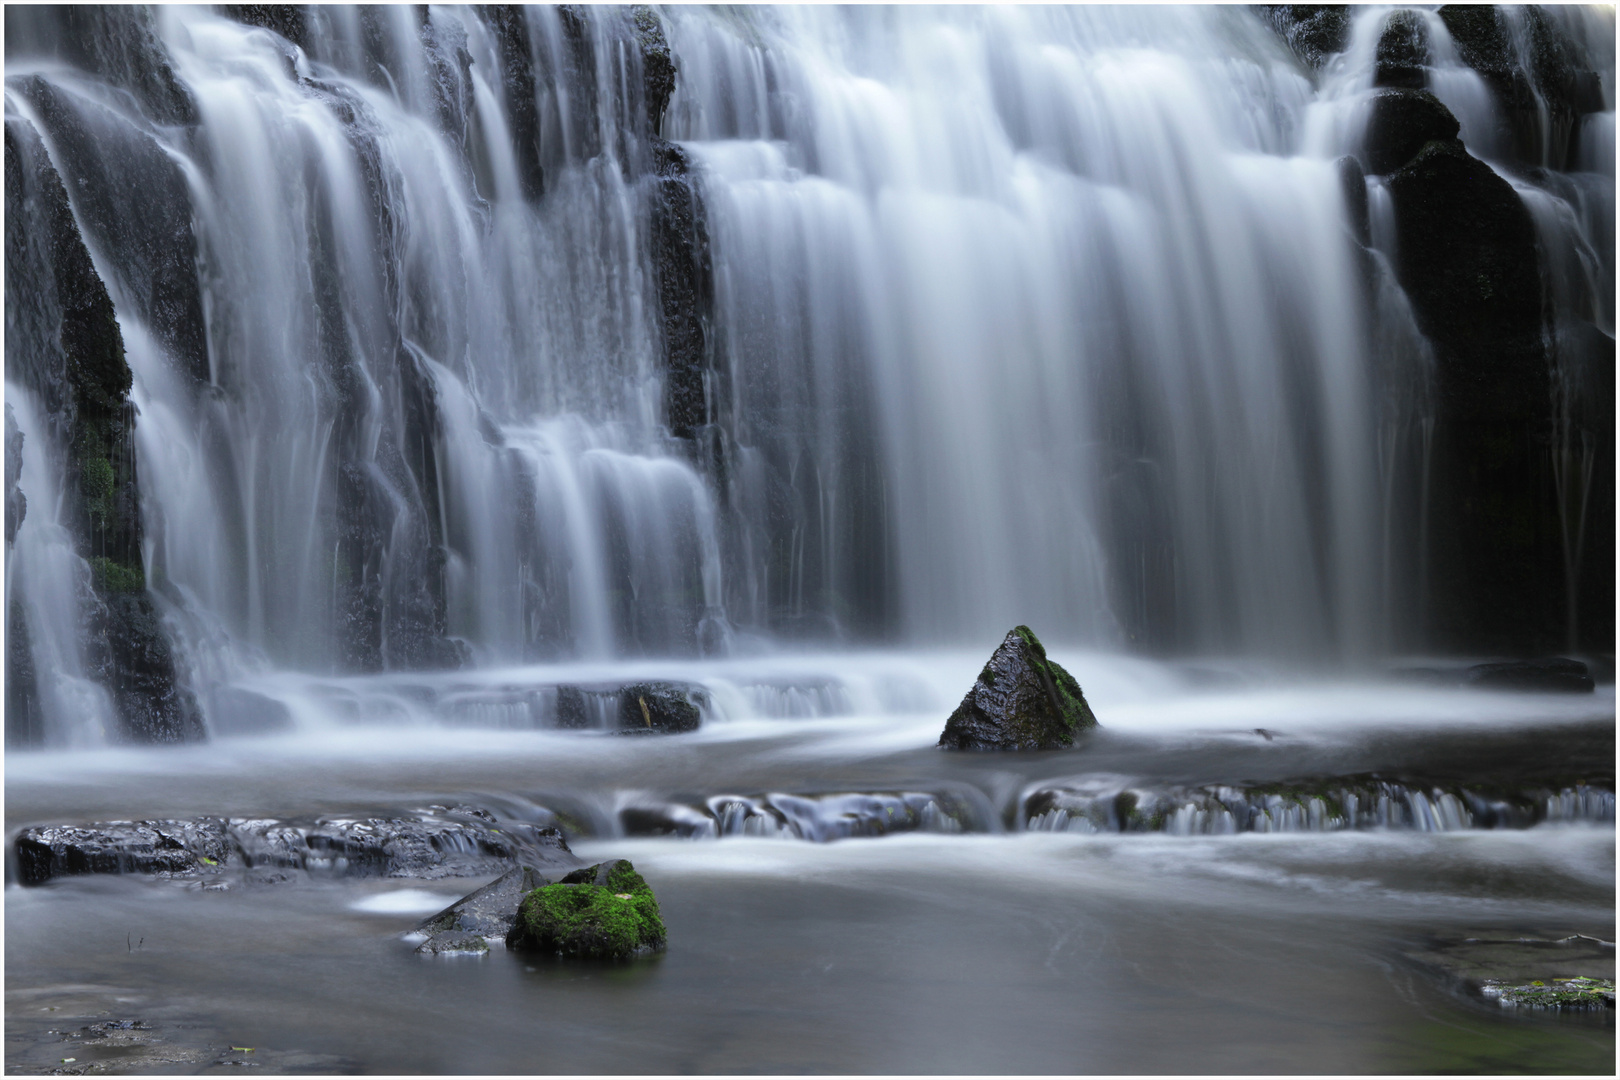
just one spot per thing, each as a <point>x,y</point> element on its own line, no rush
<point>1020,701</point>
<point>1577,994</point>
<point>604,912</point>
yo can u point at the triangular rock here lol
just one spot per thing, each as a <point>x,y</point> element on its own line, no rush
<point>1021,701</point>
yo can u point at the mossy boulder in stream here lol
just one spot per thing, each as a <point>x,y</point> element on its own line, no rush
<point>604,912</point>
<point>1021,701</point>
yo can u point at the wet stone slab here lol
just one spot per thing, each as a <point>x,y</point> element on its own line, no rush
<point>435,843</point>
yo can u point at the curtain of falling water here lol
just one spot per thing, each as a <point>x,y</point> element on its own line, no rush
<point>1056,270</point>
<point>1020,315</point>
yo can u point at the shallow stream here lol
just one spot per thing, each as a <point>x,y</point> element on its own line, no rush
<point>967,944</point>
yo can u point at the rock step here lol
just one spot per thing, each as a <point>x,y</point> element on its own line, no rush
<point>441,842</point>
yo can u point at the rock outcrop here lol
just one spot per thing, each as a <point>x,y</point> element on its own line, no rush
<point>443,842</point>
<point>64,344</point>
<point>1403,51</point>
<point>1021,701</point>
<point>604,912</point>
<point>1402,123</point>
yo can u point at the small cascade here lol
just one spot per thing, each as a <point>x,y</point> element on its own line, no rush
<point>1115,805</point>
<point>816,818</point>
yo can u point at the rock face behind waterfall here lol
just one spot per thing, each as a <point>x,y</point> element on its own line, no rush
<point>74,361</point>
<point>1021,701</point>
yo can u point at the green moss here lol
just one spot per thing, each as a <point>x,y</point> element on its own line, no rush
<point>1075,713</point>
<point>615,921</point>
<point>115,577</point>
<point>96,478</point>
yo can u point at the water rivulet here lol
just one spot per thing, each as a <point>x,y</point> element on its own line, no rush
<point>343,340</point>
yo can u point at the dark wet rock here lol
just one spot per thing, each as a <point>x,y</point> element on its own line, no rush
<point>1313,31</point>
<point>489,911</point>
<point>1020,701</point>
<point>639,708</point>
<point>134,203</point>
<point>606,912</point>
<point>167,848</point>
<point>118,43</point>
<point>662,708</point>
<point>657,66</point>
<point>513,46</point>
<point>426,848</point>
<point>429,846</point>
<point>1402,123</point>
<point>454,943</point>
<point>1468,260</point>
<point>680,250</point>
<point>288,20</point>
<point>25,725</point>
<point>16,501</point>
<point>138,663</point>
<point>64,343</point>
<point>1553,675</point>
<point>1542,100</point>
<point>1403,51</point>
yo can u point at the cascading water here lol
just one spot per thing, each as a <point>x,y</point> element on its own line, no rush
<point>489,429</point>
<point>1016,315</point>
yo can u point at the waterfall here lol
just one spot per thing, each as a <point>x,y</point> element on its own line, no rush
<point>451,344</point>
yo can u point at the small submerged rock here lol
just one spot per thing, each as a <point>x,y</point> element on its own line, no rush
<point>484,913</point>
<point>1576,994</point>
<point>605,912</point>
<point>1021,701</point>
<point>1555,674</point>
